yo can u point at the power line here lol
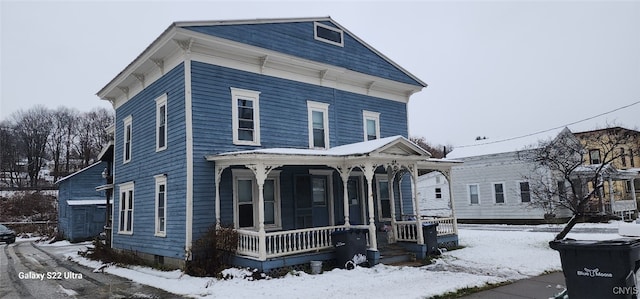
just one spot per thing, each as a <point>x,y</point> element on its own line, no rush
<point>555,128</point>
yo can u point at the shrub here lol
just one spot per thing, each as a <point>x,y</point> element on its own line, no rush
<point>211,253</point>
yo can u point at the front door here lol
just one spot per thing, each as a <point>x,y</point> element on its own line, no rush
<point>312,201</point>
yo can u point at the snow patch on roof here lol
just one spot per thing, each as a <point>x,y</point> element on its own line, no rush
<point>86,202</point>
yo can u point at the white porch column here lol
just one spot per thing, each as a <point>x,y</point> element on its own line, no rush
<point>391,174</point>
<point>345,172</point>
<point>416,207</point>
<point>218,177</point>
<point>261,171</point>
<point>447,175</point>
<point>368,168</point>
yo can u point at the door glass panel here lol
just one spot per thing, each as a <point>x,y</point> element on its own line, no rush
<point>319,191</point>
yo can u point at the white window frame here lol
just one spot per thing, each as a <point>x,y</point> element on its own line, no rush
<point>123,206</point>
<point>161,101</point>
<point>246,174</point>
<point>128,123</point>
<point>370,115</point>
<point>245,94</point>
<point>379,179</point>
<point>504,193</point>
<point>316,37</point>
<point>161,180</point>
<point>469,193</point>
<point>324,108</point>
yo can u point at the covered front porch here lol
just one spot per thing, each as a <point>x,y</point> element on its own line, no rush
<point>302,196</point>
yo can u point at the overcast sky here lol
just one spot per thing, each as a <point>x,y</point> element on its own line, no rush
<point>495,69</point>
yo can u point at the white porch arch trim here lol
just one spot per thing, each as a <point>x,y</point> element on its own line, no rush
<point>392,153</point>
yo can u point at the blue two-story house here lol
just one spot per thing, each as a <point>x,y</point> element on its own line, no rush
<point>288,129</point>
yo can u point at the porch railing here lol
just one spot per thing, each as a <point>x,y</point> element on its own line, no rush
<point>407,229</point>
<point>286,242</point>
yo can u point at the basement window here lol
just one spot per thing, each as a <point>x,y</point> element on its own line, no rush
<point>328,34</point>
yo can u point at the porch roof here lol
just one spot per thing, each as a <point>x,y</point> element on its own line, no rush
<point>394,148</point>
<point>607,171</point>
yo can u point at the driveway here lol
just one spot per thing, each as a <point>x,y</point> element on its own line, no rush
<point>31,271</point>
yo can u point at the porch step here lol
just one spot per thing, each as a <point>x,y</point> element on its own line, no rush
<point>397,256</point>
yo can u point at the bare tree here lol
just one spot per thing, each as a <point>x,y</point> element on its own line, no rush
<point>560,178</point>
<point>32,128</point>
<point>10,166</point>
<point>92,135</point>
<point>436,151</point>
<point>62,134</point>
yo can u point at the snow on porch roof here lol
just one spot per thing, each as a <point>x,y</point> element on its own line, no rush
<point>353,149</point>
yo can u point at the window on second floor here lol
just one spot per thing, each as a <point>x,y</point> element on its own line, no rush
<point>127,139</point>
<point>318,117</point>
<point>438,193</point>
<point>245,116</point>
<point>371,125</point>
<point>161,123</point>
<point>623,158</point>
<point>594,156</point>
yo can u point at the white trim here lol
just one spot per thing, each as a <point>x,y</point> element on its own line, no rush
<point>160,179</point>
<point>469,193</point>
<point>370,115</point>
<point>322,39</point>
<point>320,107</point>
<point>161,101</point>
<point>254,96</point>
<point>127,122</point>
<point>236,55</point>
<point>504,193</point>
<point>189,151</point>
<point>246,174</point>
<point>129,190</point>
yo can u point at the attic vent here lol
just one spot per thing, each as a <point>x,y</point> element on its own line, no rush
<point>328,34</point>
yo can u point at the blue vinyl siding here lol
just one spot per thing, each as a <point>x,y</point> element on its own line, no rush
<point>297,39</point>
<point>283,111</point>
<point>146,163</point>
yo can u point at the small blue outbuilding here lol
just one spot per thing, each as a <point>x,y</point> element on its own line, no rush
<point>82,209</point>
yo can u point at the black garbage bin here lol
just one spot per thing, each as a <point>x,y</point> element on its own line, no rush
<point>430,233</point>
<point>600,269</point>
<point>348,244</point>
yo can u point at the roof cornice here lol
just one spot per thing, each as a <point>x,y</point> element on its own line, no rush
<point>121,86</point>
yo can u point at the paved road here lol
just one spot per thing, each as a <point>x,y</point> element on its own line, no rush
<point>31,271</point>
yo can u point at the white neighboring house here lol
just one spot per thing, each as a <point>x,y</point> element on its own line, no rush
<point>489,186</point>
<point>433,193</point>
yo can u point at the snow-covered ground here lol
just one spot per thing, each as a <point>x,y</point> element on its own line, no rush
<point>488,257</point>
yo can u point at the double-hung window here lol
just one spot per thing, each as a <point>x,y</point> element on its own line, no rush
<point>161,205</point>
<point>127,139</point>
<point>318,116</point>
<point>498,192</point>
<point>594,156</point>
<point>474,197</point>
<point>161,123</point>
<point>371,125</point>
<point>126,208</point>
<point>245,195</point>
<point>246,116</point>
<point>384,203</point>
<point>525,192</point>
